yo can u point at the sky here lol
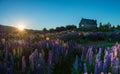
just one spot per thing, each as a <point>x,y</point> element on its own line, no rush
<point>39,14</point>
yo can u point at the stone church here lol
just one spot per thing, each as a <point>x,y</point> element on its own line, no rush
<point>88,23</point>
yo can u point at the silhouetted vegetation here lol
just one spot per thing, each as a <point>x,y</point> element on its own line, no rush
<point>101,28</point>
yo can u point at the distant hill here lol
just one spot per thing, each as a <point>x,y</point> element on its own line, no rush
<point>8,29</point>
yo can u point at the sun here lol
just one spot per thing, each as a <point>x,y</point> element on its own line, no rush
<point>21,27</point>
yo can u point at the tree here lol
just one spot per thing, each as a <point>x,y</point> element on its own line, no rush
<point>59,29</point>
<point>71,27</point>
<point>105,27</point>
<point>108,25</point>
<point>44,29</point>
<point>113,28</point>
<point>51,30</point>
<point>100,25</point>
<point>118,26</point>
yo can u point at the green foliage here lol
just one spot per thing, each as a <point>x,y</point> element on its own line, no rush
<point>90,68</point>
<point>65,66</point>
<point>102,56</point>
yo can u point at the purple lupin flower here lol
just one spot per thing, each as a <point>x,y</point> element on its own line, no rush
<point>50,57</point>
<point>49,68</point>
<point>5,68</point>
<point>31,59</point>
<point>100,50</point>
<point>6,54</point>
<point>23,64</point>
<point>115,65</point>
<point>85,68</point>
<point>66,53</point>
<point>95,69</point>
<point>75,65</point>
<point>36,57</point>
<point>105,66</point>
<point>98,67</point>
<point>97,58</point>
<point>40,69</point>
<point>36,52</point>
<point>89,56</point>
<point>1,67</point>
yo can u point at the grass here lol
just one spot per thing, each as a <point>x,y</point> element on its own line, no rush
<point>98,43</point>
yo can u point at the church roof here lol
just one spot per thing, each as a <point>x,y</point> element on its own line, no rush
<point>88,21</point>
